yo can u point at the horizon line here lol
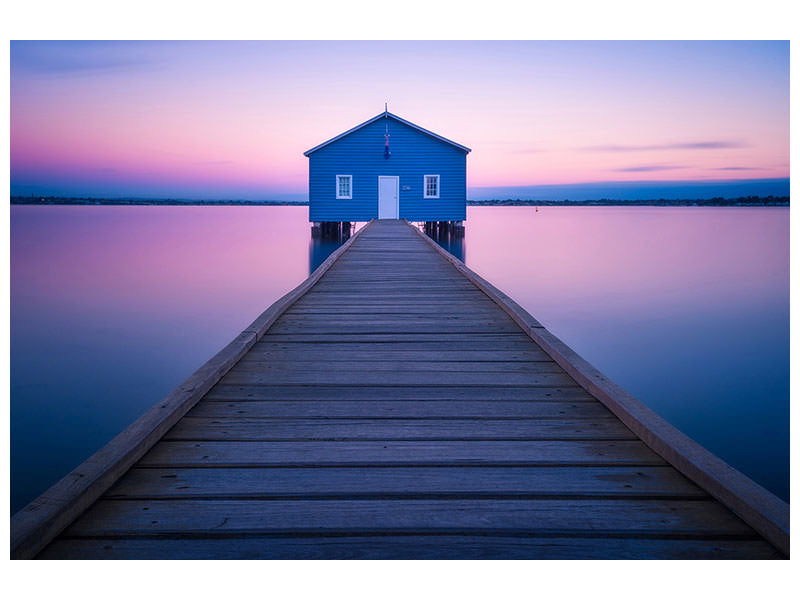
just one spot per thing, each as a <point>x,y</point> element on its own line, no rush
<point>589,190</point>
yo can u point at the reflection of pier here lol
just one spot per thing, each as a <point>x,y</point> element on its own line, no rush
<point>397,405</point>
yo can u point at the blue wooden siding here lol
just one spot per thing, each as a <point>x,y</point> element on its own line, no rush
<point>413,155</point>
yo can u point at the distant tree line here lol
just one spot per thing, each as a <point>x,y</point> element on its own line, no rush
<point>147,202</point>
<point>718,201</point>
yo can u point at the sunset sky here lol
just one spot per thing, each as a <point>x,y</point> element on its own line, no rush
<point>202,120</point>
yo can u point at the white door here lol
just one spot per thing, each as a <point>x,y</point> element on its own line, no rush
<point>388,194</point>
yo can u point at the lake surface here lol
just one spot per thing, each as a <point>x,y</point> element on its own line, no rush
<point>113,306</point>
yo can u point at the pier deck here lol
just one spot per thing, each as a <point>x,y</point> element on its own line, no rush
<point>395,409</point>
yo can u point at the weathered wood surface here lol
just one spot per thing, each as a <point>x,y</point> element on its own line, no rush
<point>233,453</point>
<point>393,378</point>
<point>694,518</point>
<point>217,429</point>
<point>411,482</point>
<point>407,547</point>
<point>400,394</point>
<point>392,364</point>
<point>397,409</point>
<point>404,409</point>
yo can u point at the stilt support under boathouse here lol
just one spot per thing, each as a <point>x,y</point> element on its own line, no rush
<point>331,230</point>
<point>444,229</point>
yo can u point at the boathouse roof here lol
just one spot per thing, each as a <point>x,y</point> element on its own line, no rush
<point>387,115</point>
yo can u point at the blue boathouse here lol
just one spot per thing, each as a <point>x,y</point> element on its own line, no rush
<point>387,168</point>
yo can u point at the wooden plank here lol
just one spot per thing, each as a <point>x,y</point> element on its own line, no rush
<point>471,340</point>
<point>553,516</point>
<point>264,483</point>
<point>394,286</point>
<point>468,321</point>
<point>420,409</point>
<point>332,376</point>
<point>397,276</point>
<point>316,393</point>
<point>335,345</point>
<point>393,314</point>
<point>765,512</point>
<point>249,429</point>
<point>464,547</point>
<point>367,327</point>
<point>258,363</point>
<point>352,453</point>
<point>417,300</point>
<point>361,296</point>
<point>269,353</point>
<point>393,307</point>
<point>395,310</point>
<point>432,299</point>
<point>388,305</point>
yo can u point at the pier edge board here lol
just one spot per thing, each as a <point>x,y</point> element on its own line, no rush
<point>41,520</point>
<point>758,507</point>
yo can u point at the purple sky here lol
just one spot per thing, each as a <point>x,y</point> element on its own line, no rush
<point>231,119</point>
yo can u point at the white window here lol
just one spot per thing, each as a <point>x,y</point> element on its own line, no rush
<point>344,187</point>
<point>431,186</point>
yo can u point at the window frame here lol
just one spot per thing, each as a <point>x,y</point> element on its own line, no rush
<point>425,186</point>
<point>338,195</point>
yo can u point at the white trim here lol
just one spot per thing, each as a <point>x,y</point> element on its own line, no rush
<point>425,186</point>
<point>339,197</point>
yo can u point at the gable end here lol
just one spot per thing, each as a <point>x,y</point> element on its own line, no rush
<point>396,118</point>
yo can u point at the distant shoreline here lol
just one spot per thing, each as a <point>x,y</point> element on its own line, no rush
<point>50,200</point>
<point>742,201</point>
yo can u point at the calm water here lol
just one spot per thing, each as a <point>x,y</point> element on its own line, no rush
<point>112,307</point>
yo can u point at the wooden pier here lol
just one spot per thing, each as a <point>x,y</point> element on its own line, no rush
<point>396,405</point>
